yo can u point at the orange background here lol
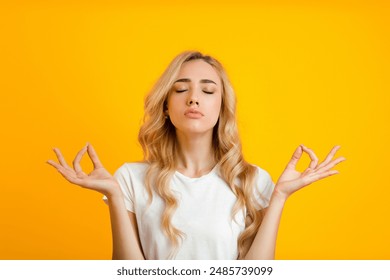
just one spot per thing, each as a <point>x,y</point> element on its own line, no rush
<point>316,74</point>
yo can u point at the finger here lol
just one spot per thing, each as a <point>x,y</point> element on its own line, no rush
<point>77,159</point>
<point>330,165</point>
<point>64,172</point>
<point>70,176</point>
<point>54,164</point>
<point>316,176</point>
<point>61,159</point>
<point>329,157</point>
<point>295,157</point>
<point>94,157</point>
<point>306,172</point>
<point>313,157</point>
<point>59,167</point>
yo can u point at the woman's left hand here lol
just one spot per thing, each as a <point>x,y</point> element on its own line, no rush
<point>292,180</point>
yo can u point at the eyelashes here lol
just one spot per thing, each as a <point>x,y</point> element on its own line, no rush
<point>207,92</point>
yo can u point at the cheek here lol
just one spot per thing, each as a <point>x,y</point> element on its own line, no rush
<point>218,104</point>
<point>216,108</point>
<point>172,104</point>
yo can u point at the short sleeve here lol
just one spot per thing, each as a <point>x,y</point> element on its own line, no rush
<point>123,176</point>
<point>264,187</point>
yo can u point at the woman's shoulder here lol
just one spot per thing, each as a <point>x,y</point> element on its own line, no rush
<point>264,186</point>
<point>262,174</point>
<point>135,168</point>
<point>259,169</point>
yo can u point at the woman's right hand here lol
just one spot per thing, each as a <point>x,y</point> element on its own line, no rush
<point>99,179</point>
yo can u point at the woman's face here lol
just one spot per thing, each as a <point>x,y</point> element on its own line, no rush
<point>195,100</point>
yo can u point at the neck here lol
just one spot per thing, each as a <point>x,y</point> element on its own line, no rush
<point>195,154</point>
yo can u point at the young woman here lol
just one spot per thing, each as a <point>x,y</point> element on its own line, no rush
<point>194,196</point>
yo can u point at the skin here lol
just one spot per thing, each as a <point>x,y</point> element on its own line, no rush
<point>291,180</point>
<point>195,159</point>
<point>126,243</point>
<point>198,87</point>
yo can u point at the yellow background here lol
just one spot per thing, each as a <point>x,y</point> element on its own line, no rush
<point>311,73</point>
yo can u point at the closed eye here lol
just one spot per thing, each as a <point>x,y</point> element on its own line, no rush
<point>183,90</point>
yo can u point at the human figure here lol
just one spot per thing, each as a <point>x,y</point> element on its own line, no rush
<point>193,196</point>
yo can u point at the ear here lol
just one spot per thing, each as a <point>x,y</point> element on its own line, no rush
<point>166,112</point>
<point>165,108</point>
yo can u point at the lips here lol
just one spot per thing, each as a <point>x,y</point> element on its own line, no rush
<point>192,111</point>
<point>193,114</point>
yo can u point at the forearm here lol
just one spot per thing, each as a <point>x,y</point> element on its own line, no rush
<point>124,235</point>
<point>263,246</point>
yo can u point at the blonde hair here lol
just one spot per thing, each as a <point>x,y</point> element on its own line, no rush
<point>158,140</point>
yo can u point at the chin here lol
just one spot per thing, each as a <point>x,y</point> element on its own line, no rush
<point>195,130</point>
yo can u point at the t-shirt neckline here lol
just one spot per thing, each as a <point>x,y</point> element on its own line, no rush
<point>212,171</point>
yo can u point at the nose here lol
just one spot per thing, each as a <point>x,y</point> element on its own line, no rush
<point>191,102</point>
<point>193,99</point>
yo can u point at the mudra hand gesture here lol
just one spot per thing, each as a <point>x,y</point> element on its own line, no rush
<point>99,179</point>
<point>292,180</point>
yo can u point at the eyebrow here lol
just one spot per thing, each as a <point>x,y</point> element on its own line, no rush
<point>204,81</point>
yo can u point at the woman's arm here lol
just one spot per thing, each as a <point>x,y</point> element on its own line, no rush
<point>263,246</point>
<point>125,237</point>
<point>291,180</point>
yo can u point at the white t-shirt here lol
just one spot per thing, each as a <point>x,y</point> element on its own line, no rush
<point>204,213</point>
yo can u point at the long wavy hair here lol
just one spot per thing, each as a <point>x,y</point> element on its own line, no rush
<point>159,143</point>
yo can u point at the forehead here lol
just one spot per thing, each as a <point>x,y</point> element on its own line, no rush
<point>198,70</point>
